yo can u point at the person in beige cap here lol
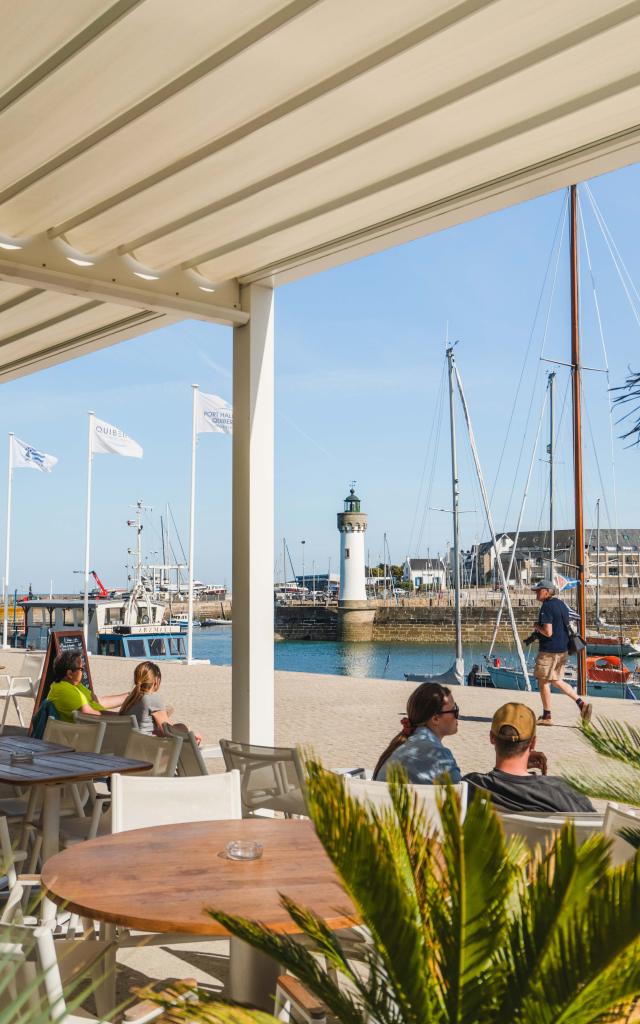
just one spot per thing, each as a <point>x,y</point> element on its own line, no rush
<point>509,784</point>
<point>552,631</point>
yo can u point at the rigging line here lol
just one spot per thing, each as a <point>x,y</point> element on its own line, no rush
<point>604,230</point>
<point>556,441</point>
<point>434,462</point>
<point>597,460</point>
<point>593,285</point>
<point>184,557</point>
<point>595,205</point>
<point>512,556</point>
<point>604,349</point>
<point>561,220</point>
<point>542,345</point>
<point>424,464</point>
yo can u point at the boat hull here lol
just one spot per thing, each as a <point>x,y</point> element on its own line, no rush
<point>623,649</point>
<point>513,679</point>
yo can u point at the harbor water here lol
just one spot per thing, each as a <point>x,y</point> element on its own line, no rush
<point>368,660</point>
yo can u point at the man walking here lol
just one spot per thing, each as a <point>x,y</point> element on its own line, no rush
<point>552,628</point>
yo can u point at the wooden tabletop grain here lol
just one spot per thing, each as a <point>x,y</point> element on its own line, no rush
<point>29,745</point>
<point>163,879</point>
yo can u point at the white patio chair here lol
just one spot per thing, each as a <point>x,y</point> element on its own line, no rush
<point>616,820</point>
<point>37,968</point>
<point>538,829</point>
<point>22,684</point>
<point>272,778</point>
<point>163,753</point>
<point>377,795</point>
<point>141,801</point>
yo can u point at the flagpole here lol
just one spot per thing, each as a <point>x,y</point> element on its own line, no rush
<point>5,621</point>
<point>87,534</point>
<point>192,523</point>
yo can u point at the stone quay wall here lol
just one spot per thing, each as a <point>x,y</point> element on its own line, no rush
<point>425,623</point>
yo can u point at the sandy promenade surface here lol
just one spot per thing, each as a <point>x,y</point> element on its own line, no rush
<point>348,721</point>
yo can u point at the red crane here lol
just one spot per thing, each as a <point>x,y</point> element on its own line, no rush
<point>101,587</point>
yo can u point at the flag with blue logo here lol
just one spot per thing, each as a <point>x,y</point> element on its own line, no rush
<point>23,456</point>
<point>564,583</point>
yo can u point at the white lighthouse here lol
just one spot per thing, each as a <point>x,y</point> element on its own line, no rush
<point>352,524</point>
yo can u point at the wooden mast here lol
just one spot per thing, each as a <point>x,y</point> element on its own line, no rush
<point>577,439</point>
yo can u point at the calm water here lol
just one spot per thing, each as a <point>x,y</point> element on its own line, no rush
<point>373,660</point>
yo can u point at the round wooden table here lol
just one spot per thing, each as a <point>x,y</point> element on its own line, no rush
<point>163,879</point>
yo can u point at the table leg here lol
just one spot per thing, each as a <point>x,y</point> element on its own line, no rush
<point>50,839</point>
<point>252,976</point>
<point>104,992</point>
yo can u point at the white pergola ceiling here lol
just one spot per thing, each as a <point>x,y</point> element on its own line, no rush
<point>221,143</point>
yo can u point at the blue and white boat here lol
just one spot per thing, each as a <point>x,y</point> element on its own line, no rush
<point>506,677</point>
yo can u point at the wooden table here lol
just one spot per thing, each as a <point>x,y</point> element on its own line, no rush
<point>53,769</point>
<point>162,879</point>
<point>28,745</point>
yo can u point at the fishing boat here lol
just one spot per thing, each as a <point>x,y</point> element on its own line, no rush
<point>606,677</point>
<point>182,621</point>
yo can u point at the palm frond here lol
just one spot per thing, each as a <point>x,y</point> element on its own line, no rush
<point>363,845</point>
<point>631,836</point>
<point>209,1009</point>
<point>558,886</point>
<point>614,740</point>
<point>606,787</point>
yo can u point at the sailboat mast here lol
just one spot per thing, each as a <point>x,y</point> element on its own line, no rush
<point>598,562</point>
<point>576,391</point>
<point>552,539</point>
<point>455,486</point>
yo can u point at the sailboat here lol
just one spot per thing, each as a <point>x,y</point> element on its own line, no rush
<point>625,685</point>
<point>455,675</point>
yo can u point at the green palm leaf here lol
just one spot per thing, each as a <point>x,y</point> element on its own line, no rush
<point>614,740</point>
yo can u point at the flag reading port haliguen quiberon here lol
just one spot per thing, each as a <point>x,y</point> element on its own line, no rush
<point>23,456</point>
<point>109,440</point>
<point>213,414</point>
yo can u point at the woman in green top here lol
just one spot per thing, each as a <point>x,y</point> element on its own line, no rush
<point>67,693</point>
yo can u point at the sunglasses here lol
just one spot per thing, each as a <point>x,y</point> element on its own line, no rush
<point>455,711</point>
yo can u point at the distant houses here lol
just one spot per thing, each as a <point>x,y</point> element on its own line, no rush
<point>430,573</point>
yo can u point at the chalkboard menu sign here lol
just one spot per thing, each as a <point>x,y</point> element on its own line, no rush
<point>61,640</point>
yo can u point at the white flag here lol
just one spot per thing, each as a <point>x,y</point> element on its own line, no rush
<point>23,456</point>
<point>213,414</point>
<point>110,440</point>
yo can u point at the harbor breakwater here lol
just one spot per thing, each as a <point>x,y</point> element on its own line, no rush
<point>429,624</point>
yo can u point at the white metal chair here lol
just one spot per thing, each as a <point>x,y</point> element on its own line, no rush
<point>85,737</point>
<point>141,801</point>
<point>20,685</point>
<point>616,820</point>
<point>117,729</point>
<point>163,753</point>
<point>377,795</point>
<point>272,778</point>
<point>37,970</point>
<point>538,829</point>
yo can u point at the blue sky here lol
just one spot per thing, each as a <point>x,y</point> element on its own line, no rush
<point>359,355</point>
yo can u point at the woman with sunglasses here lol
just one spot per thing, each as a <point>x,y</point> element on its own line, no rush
<point>432,714</point>
<point>67,692</point>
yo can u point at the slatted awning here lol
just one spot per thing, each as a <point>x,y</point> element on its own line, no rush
<point>157,155</point>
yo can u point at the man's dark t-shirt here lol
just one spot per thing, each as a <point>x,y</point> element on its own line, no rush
<point>522,794</point>
<point>556,613</point>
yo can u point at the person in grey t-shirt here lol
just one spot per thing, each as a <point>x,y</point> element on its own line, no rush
<point>146,704</point>
<point>509,784</point>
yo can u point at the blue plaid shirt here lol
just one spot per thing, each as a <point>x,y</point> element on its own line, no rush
<point>424,758</point>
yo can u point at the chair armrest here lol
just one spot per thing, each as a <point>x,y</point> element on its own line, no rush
<point>302,999</point>
<point>30,881</point>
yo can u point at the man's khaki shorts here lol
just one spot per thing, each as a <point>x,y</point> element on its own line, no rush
<point>549,666</point>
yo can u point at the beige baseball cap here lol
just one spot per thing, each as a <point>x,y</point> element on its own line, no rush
<point>519,718</point>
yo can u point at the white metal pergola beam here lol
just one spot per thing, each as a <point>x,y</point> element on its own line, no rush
<point>254,35</point>
<point>252,699</point>
<point>611,153</point>
<point>431,28</point>
<point>435,104</point>
<point>40,263</point>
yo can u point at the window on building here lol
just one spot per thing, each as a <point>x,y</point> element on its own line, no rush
<point>613,570</point>
<point>346,552</point>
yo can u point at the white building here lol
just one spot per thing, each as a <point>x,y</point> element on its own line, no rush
<point>425,572</point>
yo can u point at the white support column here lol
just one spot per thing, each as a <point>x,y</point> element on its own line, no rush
<point>252,702</point>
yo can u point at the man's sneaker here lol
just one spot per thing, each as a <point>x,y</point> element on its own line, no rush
<point>585,713</point>
<point>546,721</point>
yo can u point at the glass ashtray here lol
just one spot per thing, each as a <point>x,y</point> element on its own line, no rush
<point>18,758</point>
<point>241,849</point>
